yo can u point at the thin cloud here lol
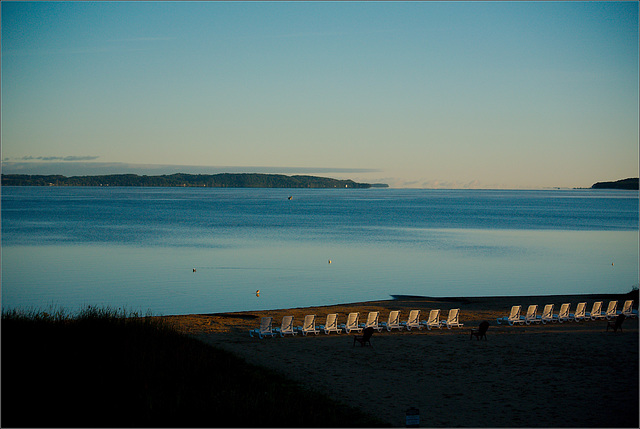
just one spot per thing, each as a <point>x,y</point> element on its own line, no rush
<point>398,182</point>
<point>68,51</point>
<point>447,184</point>
<point>83,50</point>
<point>306,34</point>
<point>61,165</point>
<point>143,39</point>
<point>53,158</point>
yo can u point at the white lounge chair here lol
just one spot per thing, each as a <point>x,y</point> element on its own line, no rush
<point>547,314</point>
<point>264,330</point>
<point>611,310</point>
<point>413,321</point>
<point>596,311</point>
<point>514,316</point>
<point>452,319</point>
<point>530,317</point>
<point>563,315</point>
<point>309,325</point>
<point>580,314</point>
<point>331,325</point>
<point>628,310</point>
<point>434,320</point>
<point>393,322</point>
<point>372,321</point>
<point>352,323</point>
<point>626,307</point>
<point>286,328</point>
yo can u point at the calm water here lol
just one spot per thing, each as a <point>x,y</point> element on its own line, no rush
<point>136,248</point>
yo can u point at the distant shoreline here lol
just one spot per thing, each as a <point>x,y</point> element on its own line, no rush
<point>230,180</point>
<point>628,184</point>
<point>222,180</point>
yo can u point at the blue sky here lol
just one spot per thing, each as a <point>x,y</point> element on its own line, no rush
<point>414,94</point>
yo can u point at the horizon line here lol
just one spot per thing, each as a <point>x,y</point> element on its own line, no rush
<point>79,168</point>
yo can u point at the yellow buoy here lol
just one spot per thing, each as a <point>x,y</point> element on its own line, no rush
<point>329,260</point>
<point>258,292</point>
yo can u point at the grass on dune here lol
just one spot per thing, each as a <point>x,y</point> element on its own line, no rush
<point>107,368</point>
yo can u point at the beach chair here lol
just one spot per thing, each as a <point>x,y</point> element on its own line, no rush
<point>481,331</point>
<point>433,321</point>
<point>365,338</point>
<point>530,317</point>
<point>413,321</point>
<point>514,316</point>
<point>372,321</point>
<point>547,314</point>
<point>286,328</point>
<point>596,311</point>
<point>617,323</point>
<point>393,322</point>
<point>352,323</point>
<point>611,310</point>
<point>331,325</point>
<point>452,319</point>
<point>309,325</point>
<point>264,330</point>
<point>627,309</point>
<point>580,314</point>
<point>563,315</point>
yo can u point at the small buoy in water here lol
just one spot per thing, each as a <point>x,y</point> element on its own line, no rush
<point>258,292</point>
<point>194,270</point>
<point>612,264</point>
<point>329,260</point>
<point>290,197</point>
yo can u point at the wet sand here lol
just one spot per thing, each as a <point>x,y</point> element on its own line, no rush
<point>554,375</point>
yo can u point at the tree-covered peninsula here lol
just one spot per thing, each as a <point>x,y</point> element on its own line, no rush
<point>223,180</point>
<point>631,184</point>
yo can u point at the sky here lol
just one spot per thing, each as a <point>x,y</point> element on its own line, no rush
<point>413,94</point>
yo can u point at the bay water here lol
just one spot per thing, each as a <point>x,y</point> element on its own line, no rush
<point>203,250</point>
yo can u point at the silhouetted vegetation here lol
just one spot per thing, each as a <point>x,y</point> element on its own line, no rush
<point>104,368</point>
<point>619,184</point>
<point>224,180</point>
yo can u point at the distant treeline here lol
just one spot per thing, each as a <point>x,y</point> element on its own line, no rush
<point>223,180</point>
<point>619,184</point>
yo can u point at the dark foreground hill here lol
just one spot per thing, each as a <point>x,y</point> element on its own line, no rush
<point>107,368</point>
<point>224,180</point>
<point>619,184</point>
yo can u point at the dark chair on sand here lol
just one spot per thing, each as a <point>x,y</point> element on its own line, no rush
<point>365,338</point>
<point>481,331</point>
<point>617,323</point>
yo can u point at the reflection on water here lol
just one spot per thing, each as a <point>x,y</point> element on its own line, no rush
<point>296,273</point>
<point>137,247</point>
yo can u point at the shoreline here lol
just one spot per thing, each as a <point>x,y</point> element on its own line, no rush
<point>473,309</point>
<point>520,376</point>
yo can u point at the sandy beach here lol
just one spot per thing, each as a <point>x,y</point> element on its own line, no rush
<point>554,375</point>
